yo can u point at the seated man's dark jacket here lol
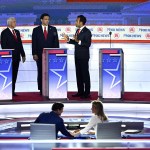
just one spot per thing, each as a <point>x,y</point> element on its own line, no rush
<point>53,118</point>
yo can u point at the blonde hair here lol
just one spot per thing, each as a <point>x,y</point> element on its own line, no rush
<point>99,108</point>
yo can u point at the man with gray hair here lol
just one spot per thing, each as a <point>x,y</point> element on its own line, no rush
<point>10,39</point>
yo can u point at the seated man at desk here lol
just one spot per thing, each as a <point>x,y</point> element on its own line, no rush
<point>98,117</point>
<point>53,117</point>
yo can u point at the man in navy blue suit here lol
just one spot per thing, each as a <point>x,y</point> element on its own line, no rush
<point>82,42</point>
<point>53,117</point>
<point>43,36</point>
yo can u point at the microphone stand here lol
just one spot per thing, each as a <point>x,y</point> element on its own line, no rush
<point>110,33</point>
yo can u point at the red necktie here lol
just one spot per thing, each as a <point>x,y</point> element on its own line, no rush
<point>14,34</point>
<point>78,31</point>
<point>45,33</point>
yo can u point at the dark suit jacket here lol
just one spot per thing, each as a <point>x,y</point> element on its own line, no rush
<point>82,51</point>
<point>39,42</point>
<point>53,118</point>
<point>8,42</point>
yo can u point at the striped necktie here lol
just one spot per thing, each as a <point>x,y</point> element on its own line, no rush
<point>14,34</point>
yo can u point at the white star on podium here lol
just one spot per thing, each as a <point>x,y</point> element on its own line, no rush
<point>109,71</point>
<point>2,72</point>
<point>59,84</point>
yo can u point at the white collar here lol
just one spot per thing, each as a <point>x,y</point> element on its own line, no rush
<point>10,29</point>
<point>44,27</point>
<point>81,28</point>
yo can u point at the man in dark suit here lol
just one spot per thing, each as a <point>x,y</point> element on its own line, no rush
<point>53,117</point>
<point>82,42</point>
<point>43,36</point>
<point>10,39</point>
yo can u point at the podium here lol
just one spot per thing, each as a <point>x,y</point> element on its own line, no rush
<point>111,73</point>
<point>6,74</point>
<point>54,81</point>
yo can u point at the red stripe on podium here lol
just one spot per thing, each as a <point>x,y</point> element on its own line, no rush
<point>110,51</point>
<point>4,53</point>
<point>56,52</point>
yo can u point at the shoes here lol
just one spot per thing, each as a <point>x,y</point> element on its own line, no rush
<point>85,96</point>
<point>77,95</point>
<point>14,94</point>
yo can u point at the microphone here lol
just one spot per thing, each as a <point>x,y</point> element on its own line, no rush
<point>110,33</point>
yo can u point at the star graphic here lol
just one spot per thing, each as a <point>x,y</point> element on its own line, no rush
<point>61,60</point>
<point>114,80</point>
<point>7,80</point>
<point>55,60</point>
<point>60,82</point>
<point>6,61</point>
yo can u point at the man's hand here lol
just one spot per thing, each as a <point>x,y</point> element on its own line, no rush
<point>75,38</point>
<point>23,59</point>
<point>35,57</point>
<point>65,36</point>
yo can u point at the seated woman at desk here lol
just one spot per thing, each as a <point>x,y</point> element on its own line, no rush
<point>98,117</point>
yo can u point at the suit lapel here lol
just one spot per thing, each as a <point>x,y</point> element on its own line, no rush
<point>11,34</point>
<point>49,31</point>
<point>17,34</point>
<point>81,32</point>
<point>41,32</point>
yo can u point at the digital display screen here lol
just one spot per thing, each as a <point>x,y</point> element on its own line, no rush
<point>65,11</point>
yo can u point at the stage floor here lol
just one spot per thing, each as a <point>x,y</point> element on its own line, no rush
<point>127,97</point>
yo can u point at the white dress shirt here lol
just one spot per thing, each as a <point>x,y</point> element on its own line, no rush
<point>12,30</point>
<point>79,32</point>
<point>92,124</point>
<point>81,28</point>
<point>44,27</point>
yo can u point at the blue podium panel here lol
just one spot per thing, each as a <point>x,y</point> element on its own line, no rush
<point>57,73</point>
<point>111,73</point>
<point>5,74</point>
